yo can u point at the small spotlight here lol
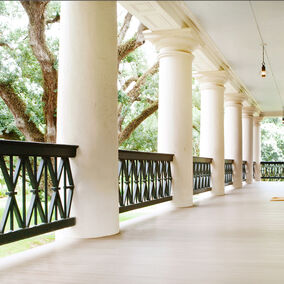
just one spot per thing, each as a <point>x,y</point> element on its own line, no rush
<point>263,70</point>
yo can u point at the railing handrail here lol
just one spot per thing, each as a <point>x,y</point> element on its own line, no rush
<point>137,155</point>
<point>229,161</point>
<point>245,162</point>
<point>272,162</point>
<point>22,148</point>
<point>202,160</point>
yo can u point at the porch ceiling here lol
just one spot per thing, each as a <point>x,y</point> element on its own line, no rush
<point>232,27</point>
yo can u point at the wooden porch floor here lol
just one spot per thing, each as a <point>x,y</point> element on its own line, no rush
<point>236,238</point>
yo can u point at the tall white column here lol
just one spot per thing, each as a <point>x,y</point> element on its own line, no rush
<point>233,134</point>
<point>212,124</point>
<point>248,141</point>
<point>87,107</point>
<point>257,146</point>
<point>175,107</point>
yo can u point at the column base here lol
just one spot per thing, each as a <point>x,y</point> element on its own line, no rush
<point>183,204</point>
<point>238,185</point>
<point>218,193</point>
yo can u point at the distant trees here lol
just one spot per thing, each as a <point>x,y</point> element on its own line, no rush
<point>28,70</point>
<point>29,47</point>
<point>272,140</point>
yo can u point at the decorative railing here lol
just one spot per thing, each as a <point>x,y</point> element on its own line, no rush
<point>201,174</point>
<point>272,171</point>
<point>144,179</point>
<point>229,171</point>
<point>39,185</point>
<point>253,169</point>
<point>244,170</point>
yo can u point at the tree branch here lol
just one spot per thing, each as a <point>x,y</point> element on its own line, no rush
<point>125,48</point>
<point>125,134</point>
<point>124,28</point>
<point>54,20</point>
<point>35,11</point>
<point>18,109</point>
<point>128,82</point>
<point>12,135</point>
<point>134,93</point>
<point>3,44</point>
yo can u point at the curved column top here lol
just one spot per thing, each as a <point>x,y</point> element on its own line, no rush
<point>257,120</point>
<point>234,99</point>
<point>249,111</point>
<point>182,40</point>
<point>211,79</point>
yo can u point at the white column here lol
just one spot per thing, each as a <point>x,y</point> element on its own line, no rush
<point>233,134</point>
<point>87,107</point>
<point>175,107</point>
<point>212,124</point>
<point>248,141</point>
<point>257,146</point>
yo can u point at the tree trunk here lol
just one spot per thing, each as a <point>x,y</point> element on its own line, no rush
<point>35,11</point>
<point>136,122</point>
<point>22,119</point>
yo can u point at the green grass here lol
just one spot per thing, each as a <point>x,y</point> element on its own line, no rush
<point>26,244</point>
<point>130,215</point>
<point>29,243</point>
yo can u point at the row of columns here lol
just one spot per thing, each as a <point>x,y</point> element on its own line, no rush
<point>230,138</point>
<point>87,106</point>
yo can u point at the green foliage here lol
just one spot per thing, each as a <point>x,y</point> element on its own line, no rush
<point>272,140</point>
<point>144,137</point>
<point>18,66</point>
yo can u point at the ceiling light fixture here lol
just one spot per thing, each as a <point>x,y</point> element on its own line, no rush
<point>263,70</point>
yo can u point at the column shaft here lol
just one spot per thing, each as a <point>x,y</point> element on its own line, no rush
<point>233,134</point>
<point>248,141</point>
<point>175,107</point>
<point>212,124</point>
<point>175,121</point>
<point>257,147</point>
<point>87,107</point>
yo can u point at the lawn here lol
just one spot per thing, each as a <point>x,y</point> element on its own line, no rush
<point>29,243</point>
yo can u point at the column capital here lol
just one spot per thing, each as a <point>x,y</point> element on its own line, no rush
<point>257,120</point>
<point>248,111</point>
<point>178,40</point>
<point>211,79</point>
<point>232,99</point>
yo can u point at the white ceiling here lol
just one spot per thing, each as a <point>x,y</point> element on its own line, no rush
<point>232,27</point>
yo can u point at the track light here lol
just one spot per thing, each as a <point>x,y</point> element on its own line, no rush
<point>263,70</point>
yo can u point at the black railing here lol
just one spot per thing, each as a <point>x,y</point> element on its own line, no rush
<point>272,171</point>
<point>33,174</point>
<point>144,179</point>
<point>229,171</point>
<point>244,170</point>
<point>201,174</point>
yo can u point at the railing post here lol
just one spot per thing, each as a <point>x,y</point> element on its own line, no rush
<point>175,106</point>
<point>257,147</point>
<point>87,112</point>
<point>248,141</point>
<point>212,124</point>
<point>233,134</point>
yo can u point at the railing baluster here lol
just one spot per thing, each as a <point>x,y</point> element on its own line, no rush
<point>272,171</point>
<point>31,163</point>
<point>150,179</point>
<point>201,174</point>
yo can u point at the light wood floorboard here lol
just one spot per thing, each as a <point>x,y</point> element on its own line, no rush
<point>236,238</point>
